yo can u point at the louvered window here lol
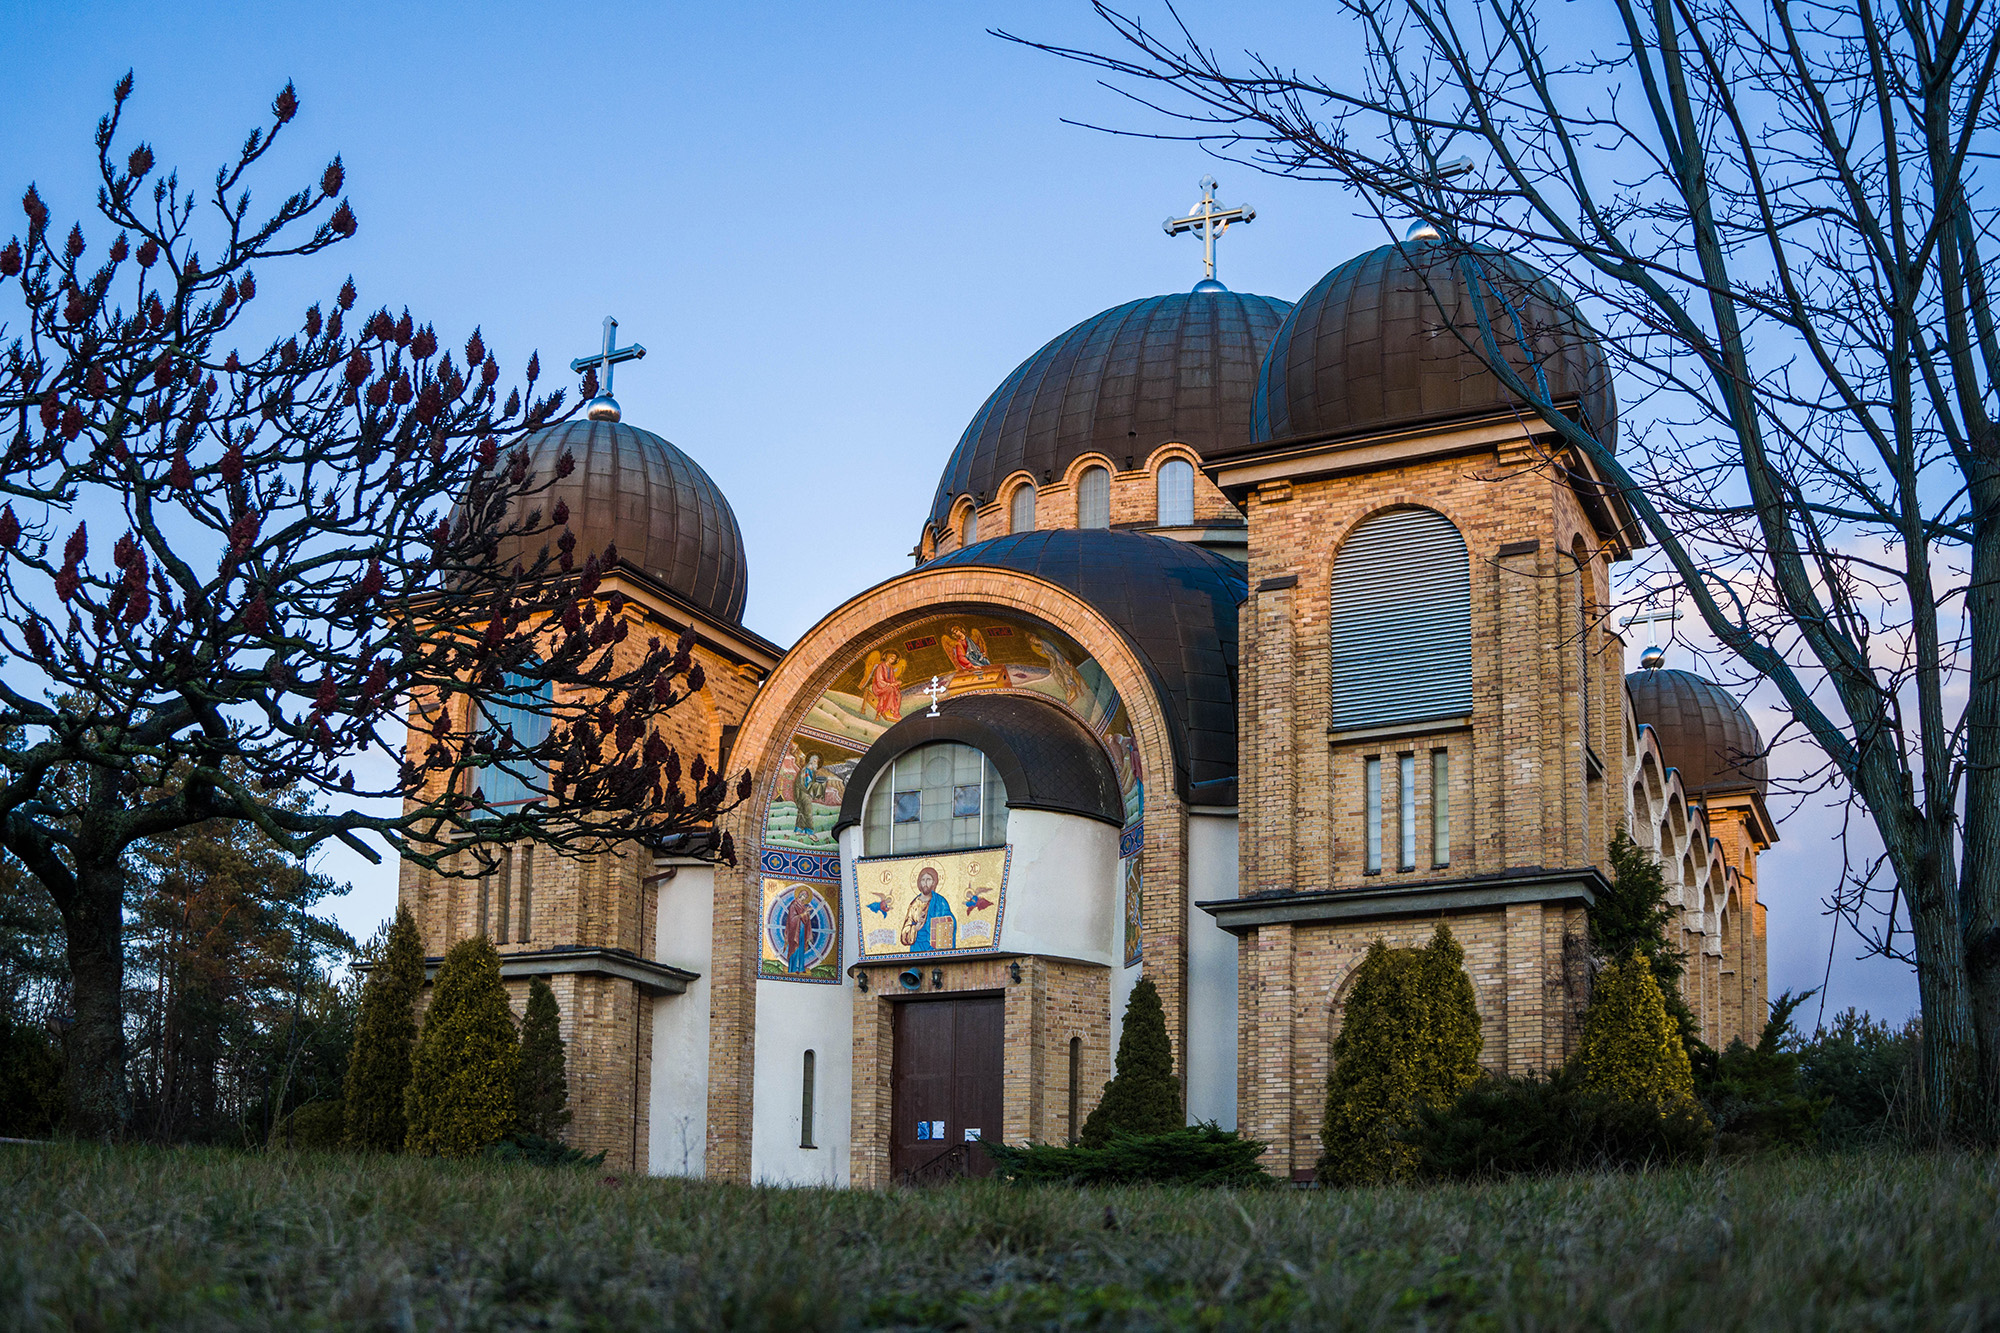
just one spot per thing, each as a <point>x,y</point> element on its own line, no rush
<point>1093,498</point>
<point>1023,517</point>
<point>1402,622</point>
<point>1176,490</point>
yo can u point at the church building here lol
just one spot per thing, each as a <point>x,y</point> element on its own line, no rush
<point>1242,633</point>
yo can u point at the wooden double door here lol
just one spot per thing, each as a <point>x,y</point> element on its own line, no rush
<point>946,1090</point>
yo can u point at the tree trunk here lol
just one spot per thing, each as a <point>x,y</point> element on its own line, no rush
<point>1979,888</point>
<point>100,1104</point>
<point>1950,1049</point>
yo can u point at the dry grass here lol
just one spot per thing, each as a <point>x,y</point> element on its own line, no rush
<point>136,1238</point>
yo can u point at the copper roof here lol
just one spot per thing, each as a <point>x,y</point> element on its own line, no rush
<point>1368,348</point>
<point>1701,730</point>
<point>1176,605</point>
<point>665,515</point>
<point>1178,368</point>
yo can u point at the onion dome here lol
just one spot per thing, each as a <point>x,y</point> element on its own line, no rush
<point>634,490</point>
<point>1175,604</point>
<point>1376,346</point>
<point>1701,729</point>
<point>1178,368</point>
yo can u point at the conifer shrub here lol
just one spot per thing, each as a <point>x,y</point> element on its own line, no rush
<point>1143,1097</point>
<point>1198,1155</point>
<point>1867,1074</point>
<point>1410,1039</point>
<point>521,1147</point>
<point>315,1127</point>
<point>1634,914</point>
<point>1533,1125</point>
<point>31,1080</point>
<point>541,1104</point>
<point>1758,1097</point>
<point>378,1068</point>
<point>1631,1047</point>
<point>465,1072</point>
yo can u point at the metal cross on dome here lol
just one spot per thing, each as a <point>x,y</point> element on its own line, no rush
<point>604,407</point>
<point>1204,217</point>
<point>1654,655</point>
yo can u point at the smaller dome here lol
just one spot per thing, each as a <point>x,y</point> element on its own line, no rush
<point>634,490</point>
<point>1701,730</point>
<point>1369,349</point>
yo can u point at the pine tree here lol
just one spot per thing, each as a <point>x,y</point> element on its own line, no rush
<point>541,1104</point>
<point>1144,1097</point>
<point>1635,915</point>
<point>1410,1038</point>
<point>378,1070</point>
<point>467,1064</point>
<point>1631,1046</point>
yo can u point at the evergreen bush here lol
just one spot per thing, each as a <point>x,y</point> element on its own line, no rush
<point>378,1068</point>
<point>465,1072</point>
<point>520,1147</point>
<point>1631,1047</point>
<point>1634,914</point>
<point>541,1106</point>
<point>31,1080</point>
<point>1144,1097</point>
<point>315,1127</point>
<point>1198,1155</point>
<point>1409,1039</point>
<point>1758,1097</point>
<point>1866,1074</point>
<point>1533,1125</point>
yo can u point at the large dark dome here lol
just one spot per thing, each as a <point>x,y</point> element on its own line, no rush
<point>1368,350</point>
<point>1176,604</point>
<point>668,519</point>
<point>1177,368</point>
<point>1701,729</point>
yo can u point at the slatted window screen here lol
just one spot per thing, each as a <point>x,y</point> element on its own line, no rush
<point>1401,622</point>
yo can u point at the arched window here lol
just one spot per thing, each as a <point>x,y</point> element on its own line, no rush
<point>1176,486</point>
<point>1401,622</point>
<point>1021,516</point>
<point>1093,498</point>
<point>932,798</point>
<point>971,526</point>
<point>521,712</point>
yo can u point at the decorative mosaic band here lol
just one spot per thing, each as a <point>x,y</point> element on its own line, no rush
<point>787,864</point>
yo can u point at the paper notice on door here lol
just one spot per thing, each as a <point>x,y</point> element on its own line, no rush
<point>923,1131</point>
<point>972,1135</point>
<point>937,1130</point>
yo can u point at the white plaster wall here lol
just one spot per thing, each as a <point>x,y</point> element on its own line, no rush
<point>794,1017</point>
<point>1211,1043</point>
<point>1062,888</point>
<point>678,1119</point>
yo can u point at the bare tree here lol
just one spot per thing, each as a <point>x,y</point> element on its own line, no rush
<point>225,570</point>
<point>1773,212</point>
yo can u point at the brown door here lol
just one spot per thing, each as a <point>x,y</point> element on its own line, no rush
<point>946,1091</point>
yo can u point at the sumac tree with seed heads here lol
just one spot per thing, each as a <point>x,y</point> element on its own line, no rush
<point>234,551</point>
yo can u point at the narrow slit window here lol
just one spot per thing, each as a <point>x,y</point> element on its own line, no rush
<point>1075,1073</point>
<point>1093,498</point>
<point>806,1104</point>
<point>971,527</point>
<point>506,873</point>
<point>485,901</point>
<point>1440,807</point>
<point>1373,815</point>
<point>1022,517</point>
<point>1176,493</point>
<point>1406,812</point>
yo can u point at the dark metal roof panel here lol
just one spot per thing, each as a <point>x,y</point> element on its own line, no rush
<point>1176,604</point>
<point>1701,729</point>
<point>1181,367</point>
<point>1042,753</point>
<point>1375,346</point>
<point>634,490</point>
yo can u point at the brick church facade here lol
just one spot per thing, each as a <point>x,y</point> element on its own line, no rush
<point>1242,633</point>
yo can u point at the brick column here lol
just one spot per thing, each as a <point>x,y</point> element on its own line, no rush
<point>1526,975</point>
<point>1266,1112</point>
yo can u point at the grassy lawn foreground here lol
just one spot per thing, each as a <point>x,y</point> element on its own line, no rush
<point>94,1238</point>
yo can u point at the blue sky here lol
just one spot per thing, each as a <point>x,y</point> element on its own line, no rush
<point>835,229</point>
